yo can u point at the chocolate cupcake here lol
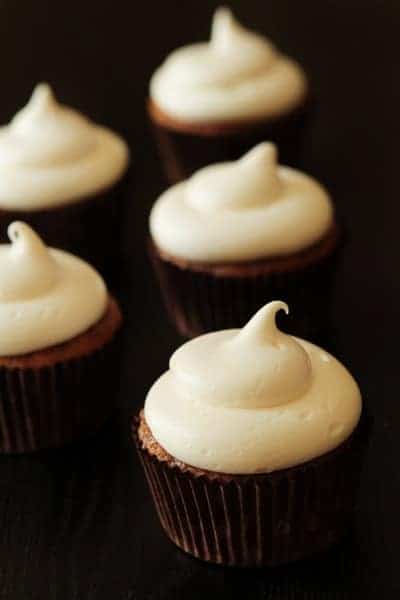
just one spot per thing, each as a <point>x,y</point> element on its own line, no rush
<point>236,235</point>
<point>65,176</point>
<point>58,345</point>
<point>214,101</point>
<point>252,446</point>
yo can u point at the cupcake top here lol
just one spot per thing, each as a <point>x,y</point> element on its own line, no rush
<point>252,400</point>
<point>237,75</point>
<point>244,210</point>
<point>47,296</point>
<point>51,155</point>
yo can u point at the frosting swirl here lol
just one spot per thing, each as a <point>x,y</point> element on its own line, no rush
<point>50,155</point>
<point>252,400</point>
<point>47,296</point>
<point>236,75</point>
<point>242,210</point>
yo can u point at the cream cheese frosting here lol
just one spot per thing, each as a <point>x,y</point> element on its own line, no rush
<point>243,210</point>
<point>51,155</point>
<point>47,296</point>
<point>252,400</point>
<point>237,75</point>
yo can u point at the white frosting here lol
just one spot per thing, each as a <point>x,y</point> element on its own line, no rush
<point>47,296</point>
<point>243,210</point>
<point>51,155</point>
<point>237,75</point>
<point>252,400</point>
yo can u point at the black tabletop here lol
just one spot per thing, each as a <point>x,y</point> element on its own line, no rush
<point>77,523</point>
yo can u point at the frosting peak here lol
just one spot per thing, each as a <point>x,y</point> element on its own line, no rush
<point>62,134</point>
<point>51,154</point>
<point>262,327</point>
<point>252,400</point>
<point>27,268</point>
<point>271,368</point>
<point>222,28</point>
<point>47,296</point>
<point>227,32</point>
<point>41,101</point>
<point>24,239</point>
<point>237,74</point>
<point>263,156</point>
<point>249,182</point>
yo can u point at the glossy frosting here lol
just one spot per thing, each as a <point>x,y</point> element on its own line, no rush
<point>237,75</point>
<point>252,400</point>
<point>243,210</point>
<point>52,155</point>
<point>47,296</point>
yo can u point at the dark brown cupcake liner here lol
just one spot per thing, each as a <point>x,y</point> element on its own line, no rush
<point>198,301</point>
<point>50,406</point>
<point>89,228</point>
<point>182,153</point>
<point>259,520</point>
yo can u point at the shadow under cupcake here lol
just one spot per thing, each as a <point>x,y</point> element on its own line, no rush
<point>236,235</point>
<point>214,101</point>
<point>65,176</point>
<point>252,446</point>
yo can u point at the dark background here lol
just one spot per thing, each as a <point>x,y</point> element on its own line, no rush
<point>77,523</point>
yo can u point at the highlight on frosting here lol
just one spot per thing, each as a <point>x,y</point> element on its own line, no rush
<point>237,74</point>
<point>47,296</point>
<point>252,400</point>
<point>51,154</point>
<point>252,208</point>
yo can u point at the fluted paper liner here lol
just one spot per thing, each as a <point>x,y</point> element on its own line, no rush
<point>198,301</point>
<point>183,152</point>
<point>53,405</point>
<point>257,520</point>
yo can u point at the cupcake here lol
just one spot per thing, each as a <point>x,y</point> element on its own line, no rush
<point>238,234</point>
<point>252,445</point>
<point>58,345</point>
<point>65,176</point>
<point>213,101</point>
